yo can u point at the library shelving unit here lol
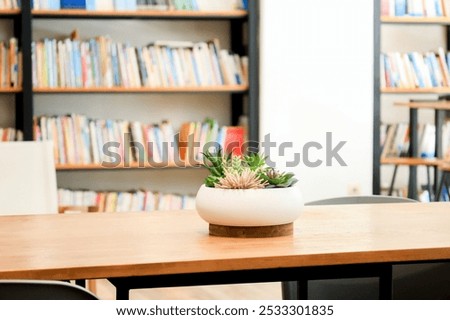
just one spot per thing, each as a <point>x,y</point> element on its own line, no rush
<point>243,34</point>
<point>413,161</point>
<point>439,108</point>
<point>21,117</point>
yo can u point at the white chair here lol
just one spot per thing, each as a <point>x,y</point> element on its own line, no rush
<point>27,178</point>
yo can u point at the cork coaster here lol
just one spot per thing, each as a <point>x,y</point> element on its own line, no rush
<point>252,232</point>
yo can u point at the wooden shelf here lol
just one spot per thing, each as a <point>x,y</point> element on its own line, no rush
<point>404,161</point>
<point>10,90</point>
<point>9,12</point>
<point>143,14</point>
<point>435,105</point>
<point>415,20</point>
<point>445,165</point>
<point>441,90</point>
<point>207,89</point>
<point>133,165</point>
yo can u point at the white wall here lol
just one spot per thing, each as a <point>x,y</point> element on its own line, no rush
<point>317,77</point>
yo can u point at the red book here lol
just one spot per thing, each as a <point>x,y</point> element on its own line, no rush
<point>385,8</point>
<point>234,140</point>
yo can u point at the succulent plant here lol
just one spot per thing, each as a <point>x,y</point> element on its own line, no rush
<point>278,179</point>
<point>243,172</point>
<point>241,179</point>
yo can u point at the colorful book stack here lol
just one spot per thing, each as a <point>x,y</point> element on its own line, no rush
<point>134,201</point>
<point>415,70</point>
<point>100,62</point>
<point>9,4</point>
<point>413,8</point>
<point>198,137</point>
<point>10,134</point>
<point>395,140</point>
<point>10,64</point>
<point>207,5</point>
<point>79,140</point>
<point>130,5</point>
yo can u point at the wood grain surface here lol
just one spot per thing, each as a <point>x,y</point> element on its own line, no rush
<point>101,245</point>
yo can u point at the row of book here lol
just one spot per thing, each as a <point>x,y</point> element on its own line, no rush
<point>197,137</point>
<point>10,64</point>
<point>79,140</point>
<point>10,134</point>
<point>132,201</point>
<point>9,4</point>
<point>205,5</point>
<point>414,8</point>
<point>395,140</point>
<point>131,5</point>
<point>101,62</point>
<point>415,70</point>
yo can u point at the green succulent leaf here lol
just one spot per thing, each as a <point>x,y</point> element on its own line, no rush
<point>255,161</point>
<point>222,166</point>
<point>278,179</point>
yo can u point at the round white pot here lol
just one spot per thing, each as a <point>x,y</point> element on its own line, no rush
<point>249,207</point>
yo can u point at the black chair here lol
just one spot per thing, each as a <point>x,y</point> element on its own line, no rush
<point>445,168</point>
<point>42,290</point>
<point>353,287</point>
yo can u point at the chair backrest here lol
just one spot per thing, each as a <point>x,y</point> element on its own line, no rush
<point>42,290</point>
<point>359,200</point>
<point>27,178</point>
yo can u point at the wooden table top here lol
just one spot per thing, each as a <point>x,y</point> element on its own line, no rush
<point>101,245</point>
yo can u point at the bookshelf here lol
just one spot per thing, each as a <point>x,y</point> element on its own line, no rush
<point>15,17</point>
<point>414,97</point>
<point>207,89</point>
<point>242,38</point>
<point>236,18</point>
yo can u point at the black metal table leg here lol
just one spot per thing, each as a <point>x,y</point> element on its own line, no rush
<point>385,283</point>
<point>81,283</point>
<point>302,289</point>
<point>122,293</point>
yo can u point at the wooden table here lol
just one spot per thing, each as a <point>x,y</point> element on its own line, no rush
<point>166,249</point>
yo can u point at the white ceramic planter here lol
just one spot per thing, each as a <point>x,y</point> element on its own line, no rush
<point>249,207</point>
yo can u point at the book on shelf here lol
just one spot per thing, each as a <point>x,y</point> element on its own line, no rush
<point>395,140</point>
<point>83,141</point>
<point>71,4</point>
<point>100,62</point>
<point>195,138</point>
<point>414,8</point>
<point>415,70</point>
<point>9,4</point>
<point>10,134</point>
<point>129,201</point>
<point>132,5</point>
<point>10,64</point>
